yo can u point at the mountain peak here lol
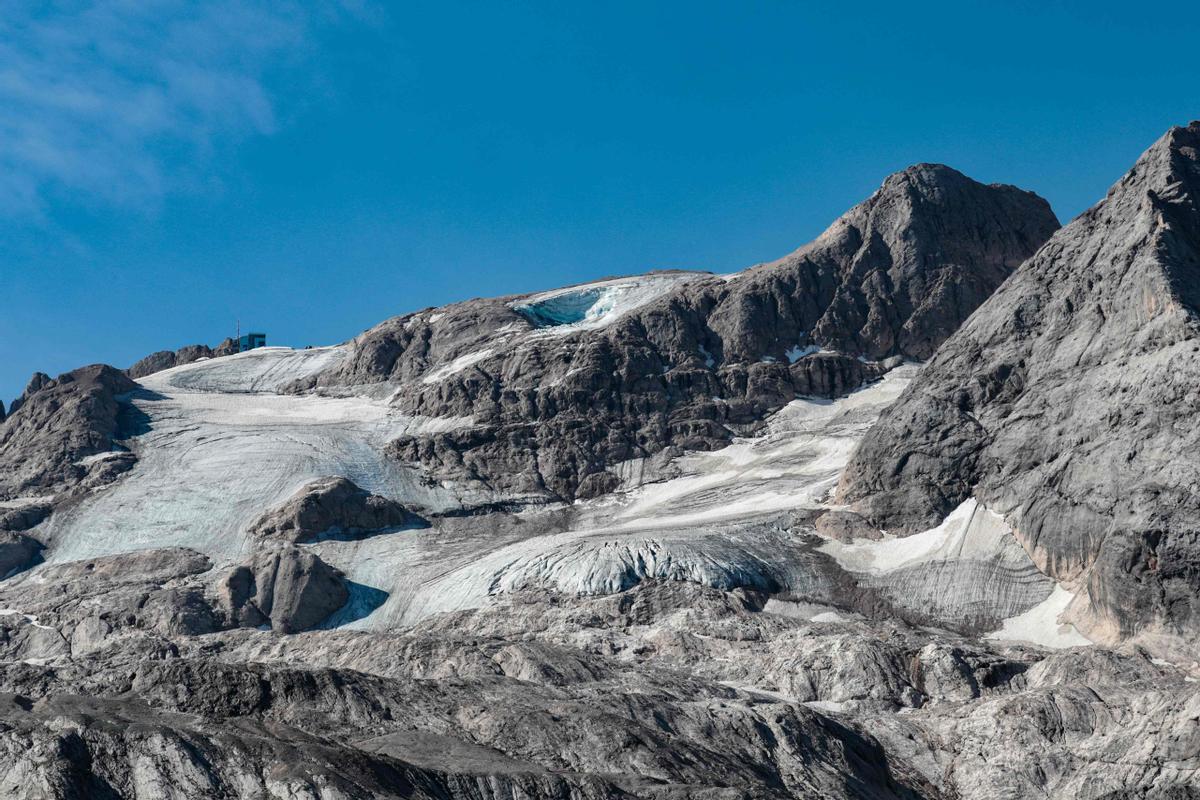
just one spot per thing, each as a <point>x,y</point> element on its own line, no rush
<point>1065,402</point>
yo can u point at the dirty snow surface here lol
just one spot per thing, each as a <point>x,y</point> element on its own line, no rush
<point>220,446</point>
<point>221,441</point>
<point>1043,625</point>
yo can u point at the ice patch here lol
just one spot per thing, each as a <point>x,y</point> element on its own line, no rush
<point>212,460</point>
<point>264,369</point>
<point>1040,625</point>
<point>968,531</point>
<point>598,304</point>
<point>796,462</point>
<point>105,456</point>
<point>797,352</point>
<point>806,611</point>
<point>30,618</point>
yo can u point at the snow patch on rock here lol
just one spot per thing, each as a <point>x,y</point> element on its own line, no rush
<point>1040,625</point>
<point>458,365</point>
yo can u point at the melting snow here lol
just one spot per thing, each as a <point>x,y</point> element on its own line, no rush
<point>1040,625</point>
<point>968,530</point>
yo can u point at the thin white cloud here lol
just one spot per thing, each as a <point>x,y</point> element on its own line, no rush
<point>121,102</point>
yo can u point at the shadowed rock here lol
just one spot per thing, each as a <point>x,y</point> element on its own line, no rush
<point>24,517</point>
<point>18,552</point>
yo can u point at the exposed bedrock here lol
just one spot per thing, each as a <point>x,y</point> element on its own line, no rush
<point>668,690</point>
<point>1067,402</point>
<point>328,508</point>
<point>165,359</point>
<point>130,605</point>
<point>62,431</point>
<point>284,586</point>
<point>563,384</point>
<point>979,720</point>
<point>24,516</point>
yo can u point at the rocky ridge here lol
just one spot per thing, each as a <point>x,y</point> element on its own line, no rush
<point>562,386</point>
<point>1066,403</point>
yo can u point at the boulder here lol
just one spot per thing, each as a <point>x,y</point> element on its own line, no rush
<point>286,586</point>
<point>329,507</point>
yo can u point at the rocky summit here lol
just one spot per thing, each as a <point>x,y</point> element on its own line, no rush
<point>908,513</point>
<point>1066,404</point>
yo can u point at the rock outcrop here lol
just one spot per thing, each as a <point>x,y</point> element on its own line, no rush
<point>668,690</point>
<point>165,359</point>
<point>327,508</point>
<point>24,516</point>
<point>36,382</point>
<point>57,426</point>
<point>561,386</point>
<point>285,586</point>
<point>1067,403</point>
<point>227,347</point>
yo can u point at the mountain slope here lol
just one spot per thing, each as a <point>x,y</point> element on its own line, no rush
<point>563,385</point>
<point>701,622</point>
<point>60,432</point>
<point>1068,403</point>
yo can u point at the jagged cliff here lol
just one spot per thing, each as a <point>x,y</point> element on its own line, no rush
<point>1067,403</point>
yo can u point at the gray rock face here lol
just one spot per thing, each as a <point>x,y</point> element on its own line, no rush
<point>290,588</point>
<point>24,517</point>
<point>330,507</point>
<point>56,425</point>
<point>667,690</point>
<point>698,358</point>
<point>37,381</point>
<point>1067,403</point>
<point>165,359</point>
<point>227,347</point>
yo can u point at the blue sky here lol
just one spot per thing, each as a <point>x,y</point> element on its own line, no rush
<point>311,169</point>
